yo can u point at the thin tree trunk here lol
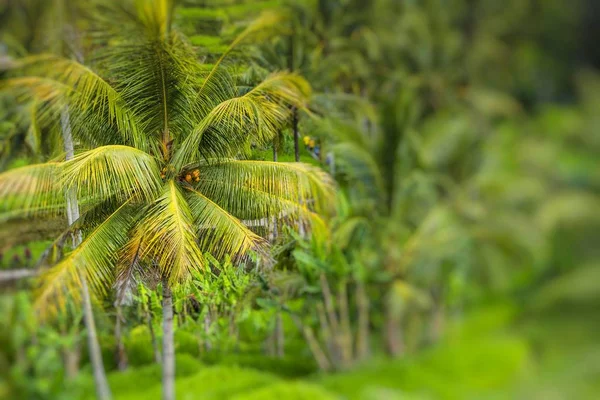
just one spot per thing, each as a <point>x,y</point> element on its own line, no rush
<point>362,334</point>
<point>270,344</point>
<point>120,350</point>
<point>16,274</point>
<point>296,134</point>
<point>275,143</point>
<point>345,330</point>
<point>72,357</point>
<point>207,344</point>
<point>231,329</point>
<point>279,335</point>
<point>70,353</point>
<point>329,307</point>
<point>320,357</point>
<point>168,370</point>
<point>155,348</point>
<point>102,388</point>
<point>394,342</point>
<point>292,67</point>
<point>327,335</point>
<point>436,322</point>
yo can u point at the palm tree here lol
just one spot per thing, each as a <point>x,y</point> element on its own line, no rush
<point>160,180</point>
<point>395,198</point>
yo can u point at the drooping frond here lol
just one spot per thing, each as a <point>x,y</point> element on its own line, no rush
<point>167,236</point>
<point>155,16</point>
<point>345,132</point>
<point>268,20</point>
<point>113,170</point>
<point>100,110</point>
<point>132,19</point>
<point>360,167</point>
<point>95,257</point>
<point>280,183</point>
<point>31,190</point>
<point>158,80</point>
<point>255,116</point>
<point>153,67</point>
<point>219,232</point>
<point>257,207</point>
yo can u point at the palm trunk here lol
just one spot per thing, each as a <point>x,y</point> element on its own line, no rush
<point>231,329</point>
<point>292,67</point>
<point>275,140</point>
<point>345,330</point>
<point>329,307</point>
<point>320,357</point>
<point>168,370</point>
<point>155,349</point>
<point>207,344</point>
<point>102,388</point>
<point>326,334</point>
<point>362,335</point>
<point>70,353</point>
<point>270,345</point>
<point>436,322</point>
<point>279,335</point>
<point>121,355</point>
<point>71,359</point>
<point>296,134</point>
<point>394,342</point>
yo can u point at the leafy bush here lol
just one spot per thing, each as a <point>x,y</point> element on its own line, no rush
<point>138,346</point>
<point>186,343</point>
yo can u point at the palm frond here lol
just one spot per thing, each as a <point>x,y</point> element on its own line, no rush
<point>220,233</point>
<point>281,185</point>
<point>168,236</point>
<point>255,116</point>
<point>113,171</point>
<point>360,168</point>
<point>253,205</point>
<point>268,20</point>
<point>95,257</point>
<point>31,190</point>
<point>64,82</point>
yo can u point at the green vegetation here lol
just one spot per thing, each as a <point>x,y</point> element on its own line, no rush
<point>333,199</point>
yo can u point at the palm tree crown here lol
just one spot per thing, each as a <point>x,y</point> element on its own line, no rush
<point>160,175</point>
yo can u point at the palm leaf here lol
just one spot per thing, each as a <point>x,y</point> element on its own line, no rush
<point>255,116</point>
<point>32,190</point>
<point>220,233</point>
<point>64,82</point>
<point>268,20</point>
<point>95,257</point>
<point>113,170</point>
<point>167,236</point>
<point>301,183</point>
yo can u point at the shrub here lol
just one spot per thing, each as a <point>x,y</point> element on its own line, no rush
<point>186,343</point>
<point>138,346</point>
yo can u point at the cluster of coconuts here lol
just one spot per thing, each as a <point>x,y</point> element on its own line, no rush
<point>189,176</point>
<point>192,176</point>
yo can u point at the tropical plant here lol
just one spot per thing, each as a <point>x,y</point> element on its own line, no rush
<point>162,181</point>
